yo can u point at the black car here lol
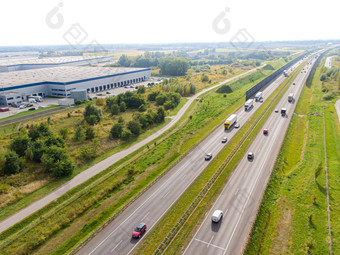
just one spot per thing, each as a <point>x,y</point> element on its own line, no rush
<point>31,109</point>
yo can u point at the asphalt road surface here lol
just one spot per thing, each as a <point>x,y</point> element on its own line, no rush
<point>241,197</point>
<point>154,203</point>
<point>97,168</point>
<point>328,63</point>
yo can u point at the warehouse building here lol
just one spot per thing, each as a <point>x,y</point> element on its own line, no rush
<point>59,81</point>
<point>52,62</point>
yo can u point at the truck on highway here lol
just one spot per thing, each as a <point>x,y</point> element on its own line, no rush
<point>258,96</point>
<point>230,121</point>
<point>249,104</point>
<point>290,97</point>
<point>283,111</point>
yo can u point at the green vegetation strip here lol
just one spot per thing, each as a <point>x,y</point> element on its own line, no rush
<point>198,190</point>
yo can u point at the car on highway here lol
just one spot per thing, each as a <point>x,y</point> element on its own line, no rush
<point>208,156</point>
<point>293,83</point>
<point>217,215</point>
<point>139,230</point>
<point>237,125</point>
<point>265,131</point>
<point>276,110</point>
<point>250,155</point>
<point>224,139</point>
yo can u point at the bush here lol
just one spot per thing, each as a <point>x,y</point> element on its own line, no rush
<point>161,99</point>
<point>122,106</point>
<point>57,161</point>
<point>89,133</point>
<point>116,130</point>
<point>121,120</point>
<point>36,131</point>
<point>126,134</point>
<point>323,77</point>
<point>92,114</point>
<point>168,105</point>
<point>204,78</point>
<point>64,132</point>
<point>141,89</point>
<point>134,127</point>
<point>88,152</point>
<point>160,115</point>
<point>224,89</point>
<point>152,96</point>
<point>142,108</point>
<point>79,134</point>
<point>115,109</point>
<point>78,102</point>
<point>19,145</point>
<point>100,101</point>
<point>12,164</point>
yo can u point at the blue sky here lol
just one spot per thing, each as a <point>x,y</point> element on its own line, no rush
<point>158,21</point>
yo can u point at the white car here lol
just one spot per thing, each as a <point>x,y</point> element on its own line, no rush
<point>217,215</point>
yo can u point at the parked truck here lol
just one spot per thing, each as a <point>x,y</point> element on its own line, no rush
<point>258,96</point>
<point>249,104</point>
<point>36,98</point>
<point>290,97</point>
<point>230,121</point>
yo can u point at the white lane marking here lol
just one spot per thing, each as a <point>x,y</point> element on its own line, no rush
<point>210,244</point>
<point>116,245</point>
<point>146,215</point>
<point>236,191</point>
<point>166,194</point>
<point>210,241</point>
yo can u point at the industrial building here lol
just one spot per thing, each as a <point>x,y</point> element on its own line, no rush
<point>59,81</point>
<point>52,62</point>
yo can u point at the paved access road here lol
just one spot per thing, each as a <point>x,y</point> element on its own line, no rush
<point>154,203</point>
<point>97,168</point>
<point>337,108</point>
<point>328,63</point>
<point>241,197</point>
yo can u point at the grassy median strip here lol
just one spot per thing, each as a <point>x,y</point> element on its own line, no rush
<point>158,233</point>
<point>45,225</point>
<point>293,214</point>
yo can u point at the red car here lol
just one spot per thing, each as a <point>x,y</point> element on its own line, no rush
<point>265,131</point>
<point>139,230</point>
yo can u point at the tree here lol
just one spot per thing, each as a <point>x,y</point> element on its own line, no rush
<point>12,164</point>
<point>122,106</point>
<point>19,145</point>
<point>152,96</point>
<point>79,134</point>
<point>124,60</point>
<point>115,109</point>
<point>57,161</point>
<point>134,127</point>
<point>160,115</point>
<point>192,89</point>
<point>42,130</point>
<point>92,114</point>
<point>64,132</point>
<point>116,130</point>
<point>38,148</point>
<point>126,134</point>
<point>169,105</point>
<point>89,133</point>
<point>173,66</point>
<point>161,99</point>
<point>323,77</point>
<point>142,108</point>
<point>204,77</point>
<point>121,120</point>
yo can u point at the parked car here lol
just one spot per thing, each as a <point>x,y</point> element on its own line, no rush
<point>29,105</point>
<point>250,155</point>
<point>217,215</point>
<point>108,92</point>
<point>22,106</point>
<point>31,109</point>
<point>139,230</point>
<point>224,139</point>
<point>208,156</point>
<point>41,106</point>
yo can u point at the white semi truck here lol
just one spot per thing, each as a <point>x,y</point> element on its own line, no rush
<point>258,96</point>
<point>290,97</point>
<point>230,121</point>
<point>249,104</point>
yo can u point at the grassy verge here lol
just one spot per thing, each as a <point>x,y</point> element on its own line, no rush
<point>158,233</point>
<point>46,226</point>
<point>293,215</point>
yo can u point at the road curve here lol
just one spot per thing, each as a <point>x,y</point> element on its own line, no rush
<point>115,238</point>
<point>104,164</point>
<point>241,196</point>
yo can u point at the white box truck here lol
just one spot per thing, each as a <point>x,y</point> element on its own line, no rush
<point>230,121</point>
<point>290,97</point>
<point>258,96</point>
<point>249,104</point>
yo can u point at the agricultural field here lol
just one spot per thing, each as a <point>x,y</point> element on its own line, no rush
<point>293,215</point>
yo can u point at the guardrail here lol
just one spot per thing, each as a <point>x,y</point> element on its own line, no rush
<point>167,240</point>
<point>271,77</point>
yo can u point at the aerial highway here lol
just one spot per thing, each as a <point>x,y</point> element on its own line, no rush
<point>155,202</point>
<point>241,197</point>
<point>104,164</point>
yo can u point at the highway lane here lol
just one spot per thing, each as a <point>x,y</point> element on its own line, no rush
<point>104,164</point>
<point>241,196</point>
<point>154,203</point>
